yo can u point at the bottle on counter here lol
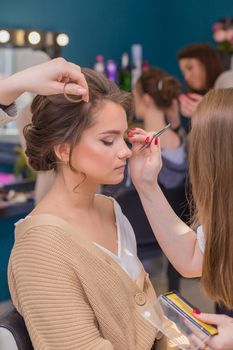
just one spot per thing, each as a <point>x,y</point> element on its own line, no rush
<point>99,65</point>
<point>125,73</point>
<point>136,53</point>
<point>111,70</point>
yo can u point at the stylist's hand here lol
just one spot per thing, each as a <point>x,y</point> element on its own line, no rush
<point>224,339</point>
<point>189,103</point>
<point>144,164</point>
<point>45,79</point>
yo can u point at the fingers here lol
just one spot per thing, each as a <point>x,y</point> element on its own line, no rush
<point>195,97</point>
<point>68,70</point>
<point>74,89</point>
<point>188,106</point>
<point>76,75</point>
<point>139,135</point>
<point>70,88</point>
<point>212,318</point>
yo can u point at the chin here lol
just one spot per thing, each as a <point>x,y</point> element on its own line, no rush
<point>114,181</point>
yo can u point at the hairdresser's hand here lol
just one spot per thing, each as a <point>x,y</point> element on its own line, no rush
<point>144,164</point>
<point>224,339</point>
<point>44,79</point>
<point>189,103</point>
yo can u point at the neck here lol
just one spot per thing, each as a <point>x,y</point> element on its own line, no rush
<point>154,119</point>
<point>73,191</point>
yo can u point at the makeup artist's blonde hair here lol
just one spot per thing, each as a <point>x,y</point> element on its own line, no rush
<point>211,173</point>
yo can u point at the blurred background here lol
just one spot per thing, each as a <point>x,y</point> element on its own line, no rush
<point>112,36</point>
<point>111,27</point>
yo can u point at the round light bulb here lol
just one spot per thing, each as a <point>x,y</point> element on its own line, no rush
<point>62,39</point>
<point>4,36</point>
<point>34,38</point>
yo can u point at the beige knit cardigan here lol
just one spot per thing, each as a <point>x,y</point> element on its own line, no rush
<point>74,296</point>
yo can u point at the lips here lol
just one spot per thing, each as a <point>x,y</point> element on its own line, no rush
<point>121,166</point>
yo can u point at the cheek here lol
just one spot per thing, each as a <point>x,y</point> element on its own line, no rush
<point>202,79</point>
<point>93,157</point>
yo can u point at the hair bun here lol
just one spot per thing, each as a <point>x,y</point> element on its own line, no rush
<point>37,159</point>
<point>170,90</point>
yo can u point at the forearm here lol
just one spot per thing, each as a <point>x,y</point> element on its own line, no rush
<point>176,239</point>
<point>10,89</point>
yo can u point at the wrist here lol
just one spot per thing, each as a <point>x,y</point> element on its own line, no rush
<point>17,83</point>
<point>148,194</point>
<point>10,89</point>
<point>146,189</point>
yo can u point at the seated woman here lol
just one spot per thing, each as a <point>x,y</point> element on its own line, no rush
<point>74,274</point>
<point>156,95</point>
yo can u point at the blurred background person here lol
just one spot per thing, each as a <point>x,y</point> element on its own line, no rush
<point>200,66</point>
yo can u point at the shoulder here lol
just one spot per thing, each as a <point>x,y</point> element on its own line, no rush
<point>42,232</point>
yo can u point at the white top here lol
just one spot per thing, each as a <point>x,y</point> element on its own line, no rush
<point>127,247</point>
<point>201,238</point>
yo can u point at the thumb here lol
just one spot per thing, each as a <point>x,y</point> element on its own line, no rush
<point>70,88</point>
<point>210,318</point>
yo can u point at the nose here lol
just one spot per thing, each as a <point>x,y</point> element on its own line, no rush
<point>125,152</point>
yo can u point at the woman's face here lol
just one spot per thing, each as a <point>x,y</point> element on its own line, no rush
<point>194,73</point>
<point>101,153</point>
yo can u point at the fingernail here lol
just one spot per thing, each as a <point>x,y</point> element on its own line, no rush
<point>130,135</point>
<point>156,141</point>
<point>81,91</point>
<point>197,312</point>
<point>147,139</point>
<point>86,98</point>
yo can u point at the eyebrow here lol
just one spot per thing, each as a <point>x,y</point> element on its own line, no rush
<point>116,132</point>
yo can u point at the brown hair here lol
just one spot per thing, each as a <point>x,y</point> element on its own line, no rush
<point>56,120</point>
<point>162,87</point>
<point>211,174</point>
<point>209,57</point>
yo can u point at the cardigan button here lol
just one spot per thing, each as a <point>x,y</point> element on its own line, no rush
<point>140,299</point>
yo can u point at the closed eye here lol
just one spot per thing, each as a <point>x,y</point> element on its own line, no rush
<point>107,143</point>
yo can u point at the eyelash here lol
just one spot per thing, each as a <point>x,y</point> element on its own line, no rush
<point>107,143</point>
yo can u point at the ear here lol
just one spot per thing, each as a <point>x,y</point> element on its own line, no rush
<point>147,100</point>
<point>62,152</point>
